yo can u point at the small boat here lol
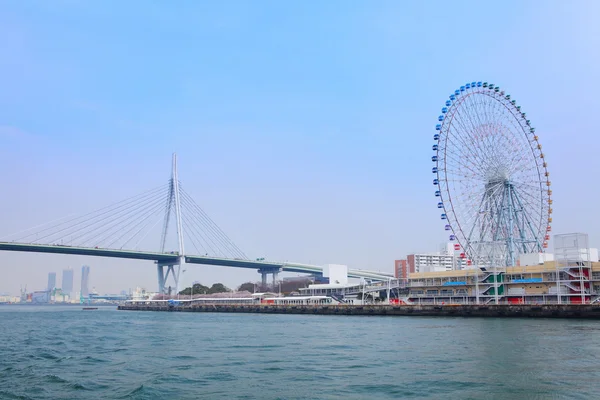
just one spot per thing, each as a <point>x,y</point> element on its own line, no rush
<point>90,308</point>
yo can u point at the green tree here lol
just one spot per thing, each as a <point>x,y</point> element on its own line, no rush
<point>248,286</point>
<point>218,288</point>
<point>198,289</point>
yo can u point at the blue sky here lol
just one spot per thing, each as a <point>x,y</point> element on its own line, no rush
<point>303,128</point>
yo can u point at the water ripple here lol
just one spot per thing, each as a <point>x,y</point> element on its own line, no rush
<point>54,352</point>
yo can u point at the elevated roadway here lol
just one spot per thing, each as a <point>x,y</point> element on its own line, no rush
<point>89,251</point>
<point>173,258</point>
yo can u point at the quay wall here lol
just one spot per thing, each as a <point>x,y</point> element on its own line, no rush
<point>521,310</point>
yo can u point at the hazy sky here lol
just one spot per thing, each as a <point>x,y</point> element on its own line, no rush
<point>303,128</point>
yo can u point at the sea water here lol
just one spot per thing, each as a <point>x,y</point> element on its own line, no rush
<point>50,352</point>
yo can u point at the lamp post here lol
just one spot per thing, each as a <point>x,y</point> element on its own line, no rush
<point>389,290</point>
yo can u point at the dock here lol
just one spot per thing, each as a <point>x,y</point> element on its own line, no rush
<point>449,310</point>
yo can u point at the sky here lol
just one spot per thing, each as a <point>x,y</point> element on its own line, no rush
<point>303,128</point>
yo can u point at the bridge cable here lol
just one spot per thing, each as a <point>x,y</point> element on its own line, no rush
<point>135,218</point>
<point>157,207</point>
<point>211,225</point>
<point>191,230</point>
<point>95,229</point>
<point>93,215</point>
<point>123,217</point>
<point>65,222</point>
<point>108,208</point>
<point>83,238</point>
<point>135,246</point>
<point>193,224</point>
<point>192,236</point>
<point>224,249</point>
<point>206,221</point>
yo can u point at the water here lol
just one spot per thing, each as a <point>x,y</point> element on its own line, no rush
<point>67,353</point>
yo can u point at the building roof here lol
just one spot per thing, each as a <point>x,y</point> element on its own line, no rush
<point>331,285</point>
<point>548,266</point>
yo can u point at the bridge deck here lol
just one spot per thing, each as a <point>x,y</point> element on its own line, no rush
<point>166,258</point>
<point>89,251</point>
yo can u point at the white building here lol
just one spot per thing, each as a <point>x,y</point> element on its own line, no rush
<point>447,259</point>
<point>540,258</point>
<point>337,273</point>
<point>142,294</point>
<point>534,259</point>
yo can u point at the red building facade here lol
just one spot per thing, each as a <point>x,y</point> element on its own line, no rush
<point>402,268</point>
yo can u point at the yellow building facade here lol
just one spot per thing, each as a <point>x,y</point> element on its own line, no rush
<point>576,283</point>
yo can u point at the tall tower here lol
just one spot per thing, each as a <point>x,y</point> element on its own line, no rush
<point>67,282</point>
<point>51,281</point>
<point>173,207</point>
<point>85,281</point>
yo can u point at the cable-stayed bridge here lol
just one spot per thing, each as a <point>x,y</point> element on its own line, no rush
<point>127,229</point>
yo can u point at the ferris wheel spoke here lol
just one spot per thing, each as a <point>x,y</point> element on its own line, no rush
<point>469,137</point>
<point>461,165</point>
<point>468,148</point>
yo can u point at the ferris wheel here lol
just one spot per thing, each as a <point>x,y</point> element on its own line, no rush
<point>491,177</point>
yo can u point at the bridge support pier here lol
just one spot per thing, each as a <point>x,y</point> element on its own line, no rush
<point>264,272</point>
<point>263,275</point>
<point>173,269</point>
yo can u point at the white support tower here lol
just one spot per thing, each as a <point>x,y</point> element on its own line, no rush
<point>173,205</point>
<point>573,268</point>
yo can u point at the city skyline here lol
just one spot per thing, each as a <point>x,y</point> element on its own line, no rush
<point>67,282</point>
<point>51,281</point>
<point>310,145</point>
<point>85,281</point>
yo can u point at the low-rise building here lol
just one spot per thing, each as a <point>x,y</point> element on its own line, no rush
<point>545,283</point>
<point>449,258</point>
<point>8,299</point>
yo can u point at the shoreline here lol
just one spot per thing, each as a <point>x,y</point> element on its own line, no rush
<point>489,311</point>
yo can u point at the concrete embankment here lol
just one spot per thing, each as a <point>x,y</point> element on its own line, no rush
<point>522,311</point>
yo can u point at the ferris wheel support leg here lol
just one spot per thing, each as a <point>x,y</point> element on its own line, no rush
<point>520,221</point>
<point>533,232</point>
<point>511,240</point>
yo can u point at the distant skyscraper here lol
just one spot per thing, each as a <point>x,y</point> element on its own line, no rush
<point>51,281</point>
<point>67,282</point>
<point>85,281</point>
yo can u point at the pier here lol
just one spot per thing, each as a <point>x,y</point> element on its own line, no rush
<point>493,311</point>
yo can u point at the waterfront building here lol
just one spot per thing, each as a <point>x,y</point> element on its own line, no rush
<point>546,283</point>
<point>449,258</point>
<point>8,299</point>
<point>402,269</point>
<point>67,282</point>
<point>85,277</point>
<point>51,281</point>
<point>549,282</point>
<point>42,296</point>
<point>430,262</point>
<point>541,258</point>
<point>569,276</point>
<point>140,294</point>
<point>58,296</point>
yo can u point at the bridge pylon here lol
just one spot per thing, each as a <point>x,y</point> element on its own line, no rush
<point>172,270</point>
<point>173,206</point>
